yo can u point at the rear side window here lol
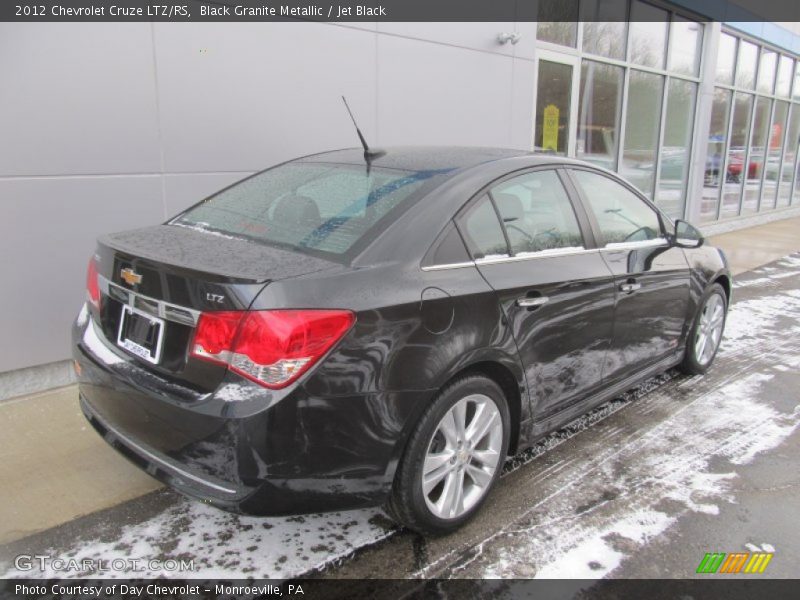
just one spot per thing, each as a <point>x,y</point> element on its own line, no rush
<point>322,207</point>
<point>537,213</point>
<point>482,230</point>
<point>623,217</point>
<point>448,249</point>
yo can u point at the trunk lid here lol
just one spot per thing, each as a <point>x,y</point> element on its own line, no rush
<point>171,274</point>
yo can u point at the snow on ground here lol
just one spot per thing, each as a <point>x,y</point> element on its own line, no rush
<point>653,477</point>
<point>224,545</point>
<point>646,474</point>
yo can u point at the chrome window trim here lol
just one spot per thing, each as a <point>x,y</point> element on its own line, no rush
<point>164,310</point>
<point>505,259</point>
<point>636,245</point>
<point>535,256</point>
<point>443,267</point>
<point>550,254</point>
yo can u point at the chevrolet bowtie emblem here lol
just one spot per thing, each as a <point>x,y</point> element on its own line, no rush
<point>130,276</point>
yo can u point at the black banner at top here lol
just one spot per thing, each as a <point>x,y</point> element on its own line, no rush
<point>382,10</point>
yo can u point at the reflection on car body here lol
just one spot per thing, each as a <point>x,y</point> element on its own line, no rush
<point>330,334</point>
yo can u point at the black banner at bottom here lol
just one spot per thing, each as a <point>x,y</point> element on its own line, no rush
<point>198,589</point>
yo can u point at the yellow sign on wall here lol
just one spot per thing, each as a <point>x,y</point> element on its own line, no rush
<point>550,128</point>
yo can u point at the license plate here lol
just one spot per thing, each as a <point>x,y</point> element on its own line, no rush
<point>141,334</point>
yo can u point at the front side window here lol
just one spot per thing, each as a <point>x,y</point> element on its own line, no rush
<point>482,230</point>
<point>322,207</point>
<point>537,213</point>
<point>622,216</point>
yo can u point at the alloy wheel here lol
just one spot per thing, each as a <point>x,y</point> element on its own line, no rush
<point>709,330</point>
<point>462,457</point>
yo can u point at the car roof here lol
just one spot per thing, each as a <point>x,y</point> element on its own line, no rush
<point>432,158</point>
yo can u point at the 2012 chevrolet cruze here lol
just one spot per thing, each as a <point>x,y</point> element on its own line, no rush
<point>332,333</point>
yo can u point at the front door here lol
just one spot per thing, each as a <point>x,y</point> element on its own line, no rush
<point>557,294</point>
<point>650,276</point>
<point>555,104</point>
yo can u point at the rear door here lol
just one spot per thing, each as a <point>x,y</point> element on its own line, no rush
<point>535,248</point>
<point>651,277</point>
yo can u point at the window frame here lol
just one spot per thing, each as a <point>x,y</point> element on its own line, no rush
<point>584,224</point>
<point>663,220</point>
<point>794,104</point>
<point>545,252</point>
<point>465,212</point>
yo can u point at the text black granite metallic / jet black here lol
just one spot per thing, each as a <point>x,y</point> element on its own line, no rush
<point>332,333</point>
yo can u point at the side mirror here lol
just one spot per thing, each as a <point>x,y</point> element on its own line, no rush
<point>686,235</point>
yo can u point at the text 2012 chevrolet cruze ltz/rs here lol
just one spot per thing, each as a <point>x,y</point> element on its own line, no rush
<point>334,333</point>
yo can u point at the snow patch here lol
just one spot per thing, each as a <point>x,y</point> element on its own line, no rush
<point>238,392</point>
<point>224,545</point>
<point>93,342</point>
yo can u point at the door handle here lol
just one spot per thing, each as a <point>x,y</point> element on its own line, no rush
<point>629,288</point>
<point>526,302</point>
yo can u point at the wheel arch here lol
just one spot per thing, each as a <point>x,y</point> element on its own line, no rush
<point>495,365</point>
<point>725,281</point>
<point>504,378</point>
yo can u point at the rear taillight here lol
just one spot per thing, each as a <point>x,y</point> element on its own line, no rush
<point>92,285</point>
<point>271,347</point>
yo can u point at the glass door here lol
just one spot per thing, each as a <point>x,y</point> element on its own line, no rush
<point>555,104</point>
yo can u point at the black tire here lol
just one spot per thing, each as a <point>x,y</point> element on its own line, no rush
<point>691,365</point>
<point>407,504</point>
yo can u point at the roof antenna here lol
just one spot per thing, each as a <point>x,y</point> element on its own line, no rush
<point>368,154</point>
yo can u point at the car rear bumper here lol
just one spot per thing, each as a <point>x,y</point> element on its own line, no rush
<point>251,452</point>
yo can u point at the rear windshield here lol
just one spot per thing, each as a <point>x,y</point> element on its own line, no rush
<point>320,207</point>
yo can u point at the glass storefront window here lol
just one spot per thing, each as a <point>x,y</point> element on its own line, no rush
<point>737,151</point>
<point>796,194</point>
<point>746,65</point>
<point>784,83</point>
<point>642,118</point>
<point>766,71</point>
<point>648,39</point>
<point>558,22</point>
<point>686,40</point>
<point>553,95</point>
<point>598,113</point>
<point>715,148</point>
<point>726,59</point>
<point>774,150</point>
<point>677,146</point>
<point>757,160</point>
<point>796,87</point>
<point>604,27</point>
<point>789,157</point>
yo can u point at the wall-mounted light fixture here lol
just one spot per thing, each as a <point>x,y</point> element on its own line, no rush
<point>505,37</point>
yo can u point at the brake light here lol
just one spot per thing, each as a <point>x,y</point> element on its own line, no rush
<point>271,347</point>
<point>92,285</point>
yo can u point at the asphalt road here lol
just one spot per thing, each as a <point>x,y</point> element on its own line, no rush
<point>643,486</point>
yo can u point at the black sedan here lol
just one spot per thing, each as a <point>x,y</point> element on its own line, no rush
<point>333,333</point>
